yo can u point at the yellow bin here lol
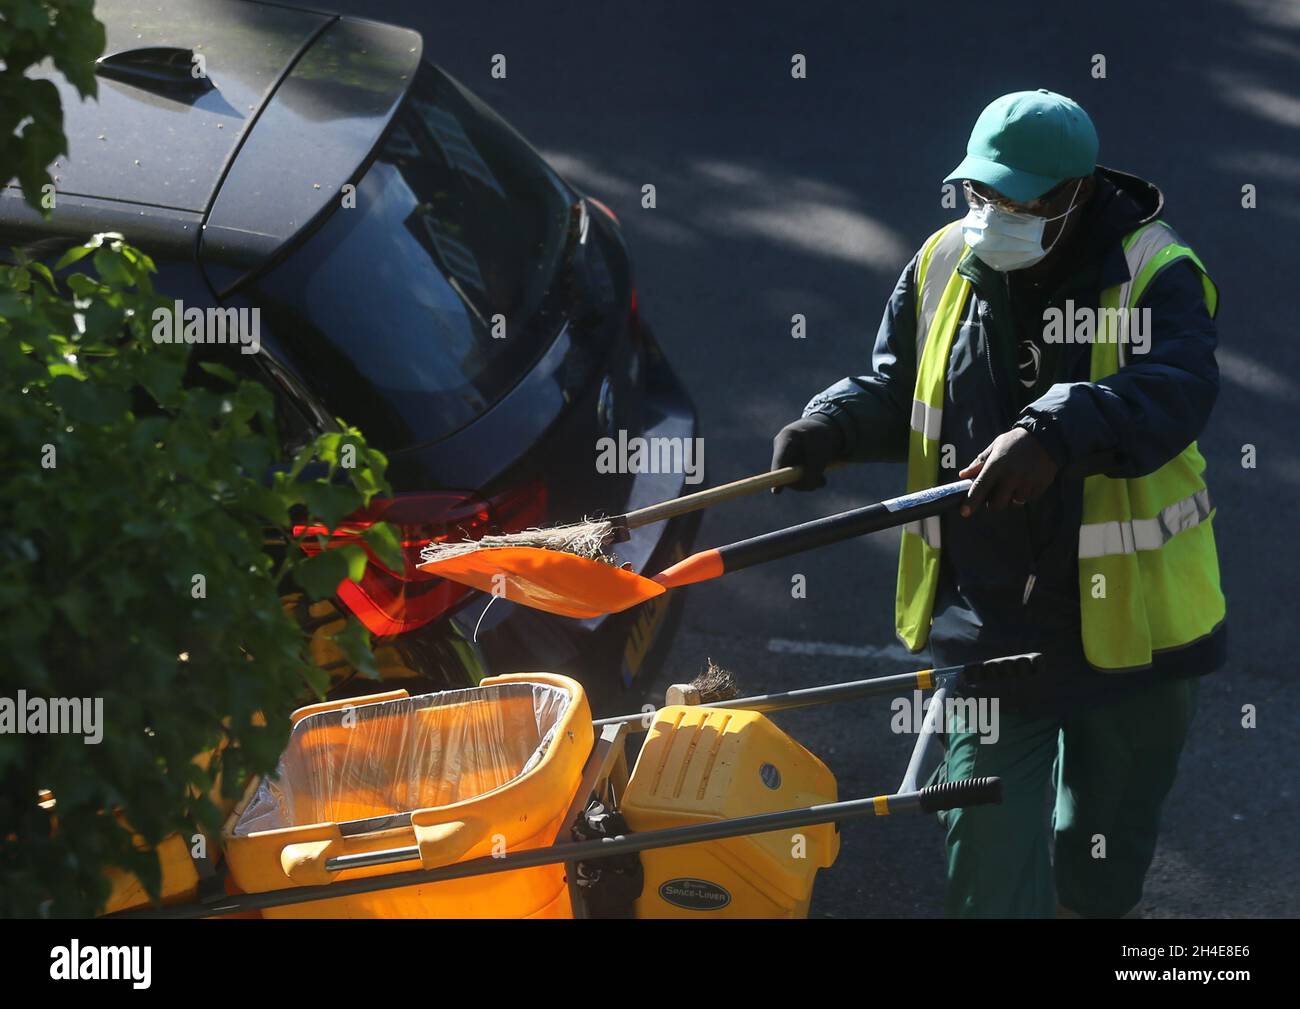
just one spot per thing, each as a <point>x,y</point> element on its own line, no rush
<point>460,774</point>
<point>702,764</point>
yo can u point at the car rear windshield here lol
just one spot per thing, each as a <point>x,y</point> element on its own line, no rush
<point>421,302</point>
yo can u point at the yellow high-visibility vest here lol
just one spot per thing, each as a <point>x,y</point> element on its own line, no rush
<point>1148,568</point>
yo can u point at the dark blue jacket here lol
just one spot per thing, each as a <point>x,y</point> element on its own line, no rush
<point>1127,425</point>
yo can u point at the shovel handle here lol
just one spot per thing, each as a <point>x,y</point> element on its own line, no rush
<point>845,525</point>
<point>711,496</point>
<point>818,533</point>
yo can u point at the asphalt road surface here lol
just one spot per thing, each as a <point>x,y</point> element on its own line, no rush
<point>778,196</point>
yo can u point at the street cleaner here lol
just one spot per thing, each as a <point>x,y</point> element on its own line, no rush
<point>1057,345</point>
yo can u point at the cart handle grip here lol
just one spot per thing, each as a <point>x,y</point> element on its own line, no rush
<point>305,863</point>
<point>955,794</point>
<point>439,843</point>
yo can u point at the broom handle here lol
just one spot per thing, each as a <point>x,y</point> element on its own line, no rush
<point>714,495</point>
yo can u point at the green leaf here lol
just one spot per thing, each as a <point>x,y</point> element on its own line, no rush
<point>331,502</point>
<point>356,558</point>
<point>354,642</point>
<point>78,608</point>
<point>111,267</point>
<point>385,541</point>
<point>64,368</point>
<point>75,254</point>
<point>320,575</point>
<point>160,371</point>
<point>269,506</point>
<point>318,680</point>
<point>44,271</point>
<point>220,371</point>
<point>87,402</point>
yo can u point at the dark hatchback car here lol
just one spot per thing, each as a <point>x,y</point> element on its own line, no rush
<point>420,272</point>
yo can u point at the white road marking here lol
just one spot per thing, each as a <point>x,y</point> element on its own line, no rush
<point>831,648</point>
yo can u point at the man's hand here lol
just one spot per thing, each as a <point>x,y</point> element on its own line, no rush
<point>811,443</point>
<point>1013,470</point>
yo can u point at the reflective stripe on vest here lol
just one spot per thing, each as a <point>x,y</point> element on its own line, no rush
<point>1126,536</point>
<point>942,292</point>
<point>1148,569</point>
<point>939,257</point>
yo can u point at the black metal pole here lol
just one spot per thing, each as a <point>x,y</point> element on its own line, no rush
<point>922,679</point>
<point>972,792</point>
<point>991,672</point>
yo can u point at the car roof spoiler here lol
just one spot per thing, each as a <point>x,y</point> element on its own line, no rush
<point>315,135</point>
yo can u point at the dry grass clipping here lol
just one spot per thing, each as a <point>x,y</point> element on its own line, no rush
<point>584,539</point>
<point>716,684</point>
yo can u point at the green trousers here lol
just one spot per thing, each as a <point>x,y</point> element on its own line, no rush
<point>1111,766</point>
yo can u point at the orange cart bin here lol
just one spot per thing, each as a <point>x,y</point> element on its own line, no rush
<point>180,878</point>
<point>460,774</point>
<point>177,854</point>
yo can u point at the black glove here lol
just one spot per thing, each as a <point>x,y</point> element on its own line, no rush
<point>812,443</point>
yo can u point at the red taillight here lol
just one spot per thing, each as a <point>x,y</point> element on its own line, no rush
<point>392,602</point>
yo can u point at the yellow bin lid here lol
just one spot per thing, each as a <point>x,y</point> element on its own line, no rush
<point>701,764</point>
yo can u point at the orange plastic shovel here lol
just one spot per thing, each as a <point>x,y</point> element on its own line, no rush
<point>574,586</point>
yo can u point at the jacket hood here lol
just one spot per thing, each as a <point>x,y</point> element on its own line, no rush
<point>1120,203</point>
<point>1123,201</point>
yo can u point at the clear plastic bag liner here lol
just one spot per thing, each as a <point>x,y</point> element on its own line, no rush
<point>396,756</point>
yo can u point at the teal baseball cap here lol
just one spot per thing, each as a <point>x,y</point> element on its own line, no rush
<point>1026,142</point>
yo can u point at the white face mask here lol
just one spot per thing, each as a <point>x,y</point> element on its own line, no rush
<point>1007,240</point>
